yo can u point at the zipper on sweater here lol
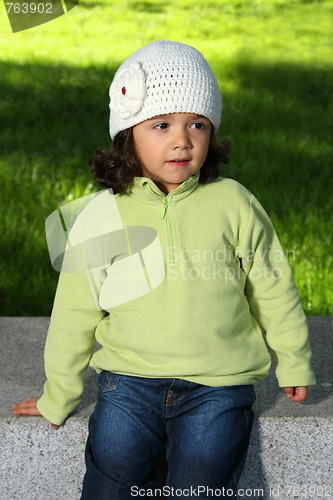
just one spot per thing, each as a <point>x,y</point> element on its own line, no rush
<point>165,216</point>
<point>165,207</point>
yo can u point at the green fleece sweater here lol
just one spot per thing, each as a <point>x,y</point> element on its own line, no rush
<point>192,282</point>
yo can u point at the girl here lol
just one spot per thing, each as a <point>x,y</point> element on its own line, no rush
<point>183,271</point>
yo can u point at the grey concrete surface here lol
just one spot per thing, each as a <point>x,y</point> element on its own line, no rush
<point>290,453</point>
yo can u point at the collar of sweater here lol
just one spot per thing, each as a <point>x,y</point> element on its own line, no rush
<point>146,189</point>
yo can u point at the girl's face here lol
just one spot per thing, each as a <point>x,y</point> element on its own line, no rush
<point>172,147</point>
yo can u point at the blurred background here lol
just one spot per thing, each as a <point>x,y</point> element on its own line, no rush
<point>274,63</point>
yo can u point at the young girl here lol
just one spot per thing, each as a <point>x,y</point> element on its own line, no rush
<point>183,271</point>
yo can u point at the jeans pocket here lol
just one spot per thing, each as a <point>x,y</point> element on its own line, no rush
<point>108,381</point>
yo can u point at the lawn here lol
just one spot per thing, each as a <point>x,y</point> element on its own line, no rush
<point>274,63</point>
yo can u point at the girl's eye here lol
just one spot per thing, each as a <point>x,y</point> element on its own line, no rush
<point>198,125</point>
<point>161,126</point>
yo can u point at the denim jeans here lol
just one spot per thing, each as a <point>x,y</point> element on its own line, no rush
<point>204,432</point>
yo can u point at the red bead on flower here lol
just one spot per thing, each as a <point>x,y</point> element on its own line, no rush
<point>123,90</point>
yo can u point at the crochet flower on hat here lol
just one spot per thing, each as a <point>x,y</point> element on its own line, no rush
<point>128,90</point>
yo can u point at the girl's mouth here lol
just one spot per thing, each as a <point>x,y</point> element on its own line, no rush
<point>178,162</point>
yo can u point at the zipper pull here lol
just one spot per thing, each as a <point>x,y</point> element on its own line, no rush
<point>165,206</point>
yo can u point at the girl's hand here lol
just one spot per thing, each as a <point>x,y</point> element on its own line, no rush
<point>296,393</point>
<point>29,407</point>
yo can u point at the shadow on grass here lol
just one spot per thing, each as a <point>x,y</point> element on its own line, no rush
<point>54,116</point>
<point>146,6</point>
<point>151,7</point>
<point>53,109</point>
<point>280,123</point>
<point>52,119</point>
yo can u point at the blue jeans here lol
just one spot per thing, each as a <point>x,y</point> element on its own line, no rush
<point>204,432</point>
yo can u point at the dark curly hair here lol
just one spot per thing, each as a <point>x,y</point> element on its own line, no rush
<point>117,167</point>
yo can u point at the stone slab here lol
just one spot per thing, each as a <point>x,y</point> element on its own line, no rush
<point>290,453</point>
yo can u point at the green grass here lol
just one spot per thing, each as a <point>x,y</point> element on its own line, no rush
<point>274,63</point>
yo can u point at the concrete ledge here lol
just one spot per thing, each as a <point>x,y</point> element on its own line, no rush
<point>290,454</point>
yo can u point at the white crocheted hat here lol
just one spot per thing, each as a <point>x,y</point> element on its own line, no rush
<point>161,78</point>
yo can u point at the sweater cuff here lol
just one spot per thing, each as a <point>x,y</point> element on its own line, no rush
<point>48,414</point>
<point>297,380</point>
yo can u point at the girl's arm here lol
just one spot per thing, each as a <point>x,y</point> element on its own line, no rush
<point>75,316</point>
<point>69,347</point>
<point>68,350</point>
<point>275,303</point>
<point>29,407</point>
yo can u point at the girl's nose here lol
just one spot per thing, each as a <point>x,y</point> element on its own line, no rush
<point>181,139</point>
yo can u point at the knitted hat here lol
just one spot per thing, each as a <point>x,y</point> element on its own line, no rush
<point>161,78</point>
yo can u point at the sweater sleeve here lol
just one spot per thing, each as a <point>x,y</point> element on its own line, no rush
<point>69,346</point>
<point>274,300</point>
